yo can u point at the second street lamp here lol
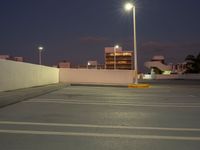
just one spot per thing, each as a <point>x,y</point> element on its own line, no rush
<point>115,63</point>
<point>40,49</point>
<point>129,7</point>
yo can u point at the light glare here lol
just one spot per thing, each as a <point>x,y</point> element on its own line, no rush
<point>40,48</point>
<point>116,46</point>
<point>128,6</point>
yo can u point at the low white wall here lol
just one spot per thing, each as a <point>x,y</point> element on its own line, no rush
<point>16,75</point>
<point>179,76</point>
<point>94,76</point>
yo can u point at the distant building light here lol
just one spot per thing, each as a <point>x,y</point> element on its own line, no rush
<point>92,64</point>
<point>167,72</point>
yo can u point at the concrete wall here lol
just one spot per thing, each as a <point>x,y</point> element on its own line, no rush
<point>16,75</point>
<point>179,76</point>
<point>94,76</point>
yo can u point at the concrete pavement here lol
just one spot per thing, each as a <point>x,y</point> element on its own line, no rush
<point>15,96</point>
<point>165,116</point>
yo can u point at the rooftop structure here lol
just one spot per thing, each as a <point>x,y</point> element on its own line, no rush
<point>92,64</point>
<point>20,59</point>
<point>64,64</point>
<point>4,56</point>
<point>15,58</point>
<point>157,65</point>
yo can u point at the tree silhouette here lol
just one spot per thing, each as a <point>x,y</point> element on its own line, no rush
<point>193,64</point>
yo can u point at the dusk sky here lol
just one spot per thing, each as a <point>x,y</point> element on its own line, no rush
<point>78,30</point>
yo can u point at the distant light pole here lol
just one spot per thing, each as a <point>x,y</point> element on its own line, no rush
<point>40,49</point>
<point>129,7</point>
<point>115,48</point>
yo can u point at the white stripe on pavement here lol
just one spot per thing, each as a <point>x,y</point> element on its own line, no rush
<point>113,104</point>
<point>110,101</point>
<point>79,134</point>
<point>98,126</point>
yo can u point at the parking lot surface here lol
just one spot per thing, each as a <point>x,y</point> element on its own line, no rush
<point>163,117</point>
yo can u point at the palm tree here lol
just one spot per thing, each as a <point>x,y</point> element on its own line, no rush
<point>193,64</point>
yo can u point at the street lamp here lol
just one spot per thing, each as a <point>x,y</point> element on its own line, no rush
<point>88,64</point>
<point>40,49</point>
<point>129,7</point>
<point>115,48</point>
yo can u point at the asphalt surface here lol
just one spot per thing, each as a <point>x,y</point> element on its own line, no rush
<point>163,117</point>
<point>15,96</point>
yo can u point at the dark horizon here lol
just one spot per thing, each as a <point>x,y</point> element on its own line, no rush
<point>78,31</point>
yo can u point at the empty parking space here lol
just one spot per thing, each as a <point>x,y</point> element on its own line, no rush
<point>164,116</point>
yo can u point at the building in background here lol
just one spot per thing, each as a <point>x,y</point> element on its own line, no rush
<point>116,58</point>
<point>92,64</point>
<point>4,56</point>
<point>7,57</point>
<point>157,65</point>
<point>20,59</point>
<point>63,64</point>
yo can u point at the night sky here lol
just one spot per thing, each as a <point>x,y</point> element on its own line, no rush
<point>78,30</point>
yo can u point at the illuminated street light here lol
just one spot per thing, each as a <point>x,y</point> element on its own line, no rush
<point>128,6</point>
<point>115,48</point>
<point>131,7</point>
<point>40,49</point>
<point>88,64</point>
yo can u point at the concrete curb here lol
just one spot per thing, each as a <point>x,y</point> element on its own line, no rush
<point>139,86</point>
<point>15,96</point>
<point>100,85</point>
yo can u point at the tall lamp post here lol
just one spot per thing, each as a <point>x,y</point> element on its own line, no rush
<point>115,48</point>
<point>40,49</point>
<point>129,7</point>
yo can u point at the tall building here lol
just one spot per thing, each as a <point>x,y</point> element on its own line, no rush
<point>116,58</point>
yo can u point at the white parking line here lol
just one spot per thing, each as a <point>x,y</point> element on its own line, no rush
<point>79,134</point>
<point>114,104</point>
<point>109,101</point>
<point>98,126</point>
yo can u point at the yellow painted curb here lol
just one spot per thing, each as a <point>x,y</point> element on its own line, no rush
<point>138,86</point>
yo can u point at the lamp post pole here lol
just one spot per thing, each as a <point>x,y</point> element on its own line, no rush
<point>131,7</point>
<point>115,61</point>
<point>40,49</point>
<point>114,58</point>
<point>135,46</point>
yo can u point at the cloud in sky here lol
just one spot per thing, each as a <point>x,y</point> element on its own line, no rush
<point>164,46</point>
<point>94,40</point>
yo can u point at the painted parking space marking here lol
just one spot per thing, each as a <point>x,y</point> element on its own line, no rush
<point>110,101</point>
<point>115,104</point>
<point>104,135</point>
<point>97,126</point>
